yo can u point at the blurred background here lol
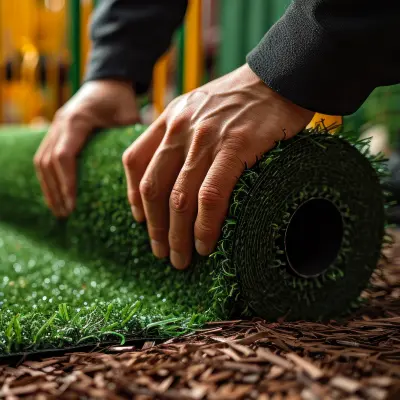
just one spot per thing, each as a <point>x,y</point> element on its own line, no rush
<point>44,45</point>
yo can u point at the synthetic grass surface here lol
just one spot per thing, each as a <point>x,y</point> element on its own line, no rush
<point>93,277</point>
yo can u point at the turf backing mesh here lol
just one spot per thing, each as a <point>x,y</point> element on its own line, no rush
<point>290,247</point>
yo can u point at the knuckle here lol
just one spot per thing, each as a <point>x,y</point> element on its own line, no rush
<point>148,190</point>
<point>128,158</point>
<point>178,201</point>
<point>45,163</point>
<point>178,242</point>
<point>235,142</point>
<point>76,119</point>
<point>210,197</point>
<point>61,154</point>
<point>178,121</point>
<point>157,232</point>
<point>176,126</point>
<point>203,135</point>
<point>133,196</point>
<point>175,240</point>
<point>204,230</point>
<point>73,117</point>
<point>203,130</point>
<point>231,161</point>
<point>59,115</point>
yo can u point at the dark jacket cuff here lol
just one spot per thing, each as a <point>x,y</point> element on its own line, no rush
<point>115,62</point>
<point>304,64</point>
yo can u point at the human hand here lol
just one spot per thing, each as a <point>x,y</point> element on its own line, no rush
<point>183,168</point>
<point>98,104</point>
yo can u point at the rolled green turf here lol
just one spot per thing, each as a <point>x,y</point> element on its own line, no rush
<point>314,200</point>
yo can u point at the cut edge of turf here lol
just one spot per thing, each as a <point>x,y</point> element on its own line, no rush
<point>226,291</point>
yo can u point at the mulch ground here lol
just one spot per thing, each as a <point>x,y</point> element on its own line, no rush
<point>358,359</point>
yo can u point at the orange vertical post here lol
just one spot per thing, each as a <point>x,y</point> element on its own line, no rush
<point>2,64</point>
<point>160,82</point>
<point>87,7</point>
<point>193,47</point>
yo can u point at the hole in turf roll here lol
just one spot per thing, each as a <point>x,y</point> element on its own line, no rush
<point>313,237</point>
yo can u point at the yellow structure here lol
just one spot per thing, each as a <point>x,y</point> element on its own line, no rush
<point>160,83</point>
<point>33,32</point>
<point>29,28</point>
<point>193,60</point>
<point>327,121</point>
<point>193,49</point>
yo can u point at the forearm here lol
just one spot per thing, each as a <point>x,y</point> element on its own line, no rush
<point>328,55</point>
<point>128,36</point>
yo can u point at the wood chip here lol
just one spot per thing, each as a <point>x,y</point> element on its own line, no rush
<point>376,393</point>
<point>230,391</point>
<point>231,354</point>
<point>275,372</point>
<point>121,349</point>
<point>346,384</point>
<point>273,358</point>
<point>32,388</point>
<point>45,363</point>
<point>148,345</point>
<point>313,371</point>
<point>165,384</point>
<point>382,381</point>
<point>246,351</point>
<point>237,366</point>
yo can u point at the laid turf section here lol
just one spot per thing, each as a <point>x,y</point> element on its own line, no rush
<point>289,247</point>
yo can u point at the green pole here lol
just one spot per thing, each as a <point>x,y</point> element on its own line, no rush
<point>75,44</point>
<point>233,32</point>
<point>259,20</point>
<point>180,44</point>
<point>279,7</point>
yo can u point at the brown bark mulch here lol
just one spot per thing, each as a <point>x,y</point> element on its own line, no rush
<point>357,359</point>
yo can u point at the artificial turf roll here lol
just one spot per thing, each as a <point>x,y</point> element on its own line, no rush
<point>303,235</point>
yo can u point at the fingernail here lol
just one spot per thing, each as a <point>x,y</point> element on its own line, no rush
<point>202,248</point>
<point>137,213</point>
<point>178,260</point>
<point>160,250</point>
<point>61,212</point>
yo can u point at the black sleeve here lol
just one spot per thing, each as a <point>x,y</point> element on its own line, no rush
<point>128,36</point>
<point>328,55</point>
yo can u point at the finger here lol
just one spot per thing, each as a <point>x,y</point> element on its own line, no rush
<point>214,198</point>
<point>53,185</point>
<point>136,158</point>
<point>183,206</point>
<point>44,172</point>
<point>70,143</point>
<point>37,161</point>
<point>155,189</point>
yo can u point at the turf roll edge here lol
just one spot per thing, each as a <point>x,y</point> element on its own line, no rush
<point>303,234</point>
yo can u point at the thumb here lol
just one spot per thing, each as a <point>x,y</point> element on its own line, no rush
<point>73,136</point>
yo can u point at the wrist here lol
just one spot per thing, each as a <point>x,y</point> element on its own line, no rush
<point>111,84</point>
<point>270,93</point>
